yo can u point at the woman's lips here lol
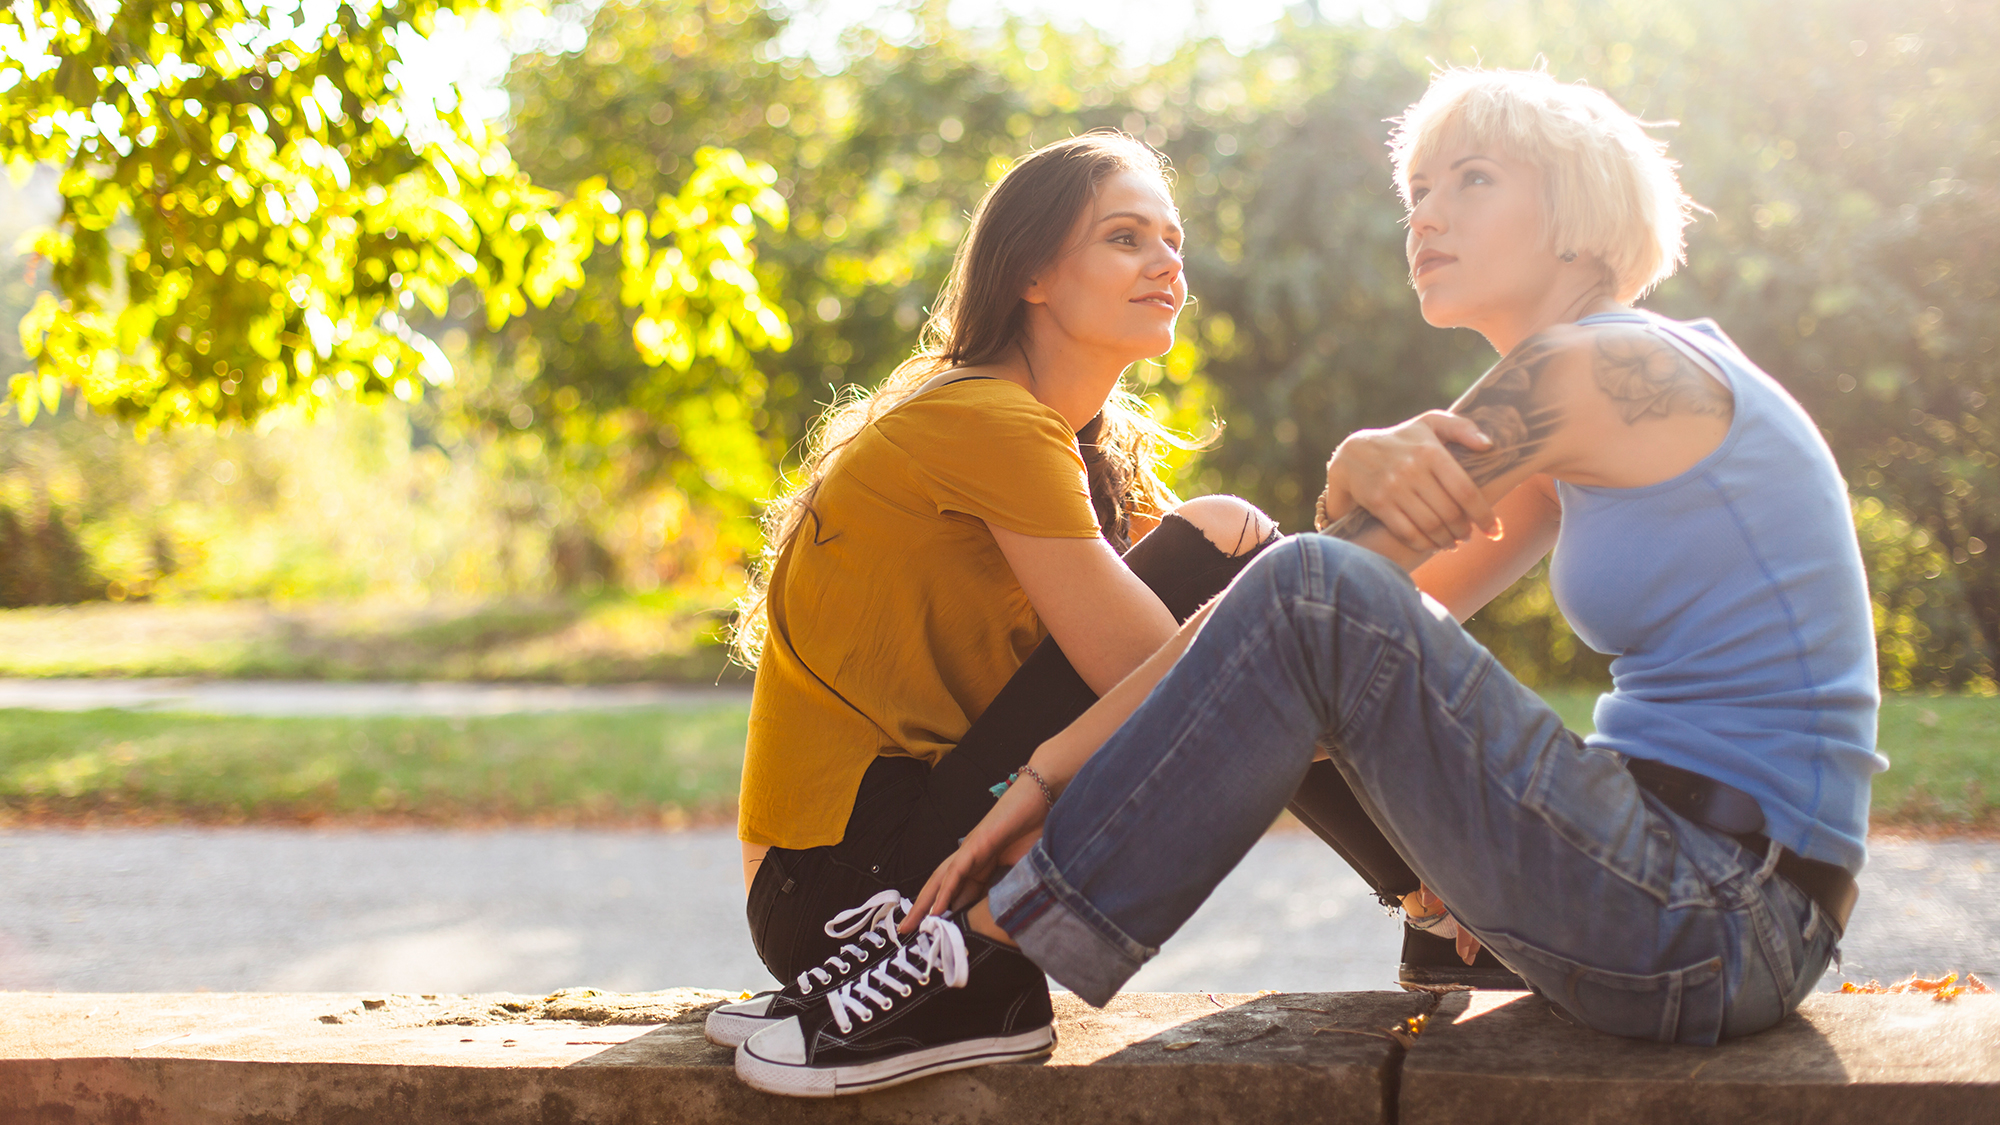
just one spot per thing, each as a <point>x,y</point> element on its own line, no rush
<point>1428,261</point>
<point>1162,301</point>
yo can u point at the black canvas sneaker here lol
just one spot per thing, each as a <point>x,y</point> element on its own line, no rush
<point>948,999</point>
<point>872,928</point>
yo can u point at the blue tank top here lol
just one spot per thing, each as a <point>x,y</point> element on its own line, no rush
<point>1733,603</point>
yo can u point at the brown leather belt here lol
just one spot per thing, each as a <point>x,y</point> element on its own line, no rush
<point>1734,813</point>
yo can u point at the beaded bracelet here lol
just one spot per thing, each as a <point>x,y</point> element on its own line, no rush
<point>1048,794</point>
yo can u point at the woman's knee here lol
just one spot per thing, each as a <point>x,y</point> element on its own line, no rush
<point>1234,525</point>
<point>1320,568</point>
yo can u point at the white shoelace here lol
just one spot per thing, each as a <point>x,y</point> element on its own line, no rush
<point>938,943</point>
<point>874,922</point>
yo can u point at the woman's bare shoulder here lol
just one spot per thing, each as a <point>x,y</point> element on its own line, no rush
<point>1646,375</point>
<point>1634,368</point>
<point>1616,404</point>
<point>1564,399</point>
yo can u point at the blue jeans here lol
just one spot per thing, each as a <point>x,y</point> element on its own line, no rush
<point>1630,918</point>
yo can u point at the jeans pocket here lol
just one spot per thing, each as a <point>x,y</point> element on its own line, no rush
<point>1586,796</point>
<point>1796,941</point>
<point>1683,1005</point>
<point>1819,941</point>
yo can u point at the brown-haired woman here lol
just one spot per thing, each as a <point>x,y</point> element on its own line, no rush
<point>956,578</point>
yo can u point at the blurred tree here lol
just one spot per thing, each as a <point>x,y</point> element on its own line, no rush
<point>883,162</point>
<point>1847,152</point>
<point>1855,252</point>
<point>253,196</point>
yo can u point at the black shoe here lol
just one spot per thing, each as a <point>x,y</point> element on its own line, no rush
<point>872,925</point>
<point>1430,961</point>
<point>948,1000</point>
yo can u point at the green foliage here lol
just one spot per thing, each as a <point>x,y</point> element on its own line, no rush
<point>253,202</point>
<point>1846,151</point>
<point>41,561</point>
<point>882,162</point>
<point>1924,638</point>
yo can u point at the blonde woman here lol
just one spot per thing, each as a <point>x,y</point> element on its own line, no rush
<point>1682,874</point>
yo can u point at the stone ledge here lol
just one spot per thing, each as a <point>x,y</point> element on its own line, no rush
<point>582,1058</point>
<point>214,1059</point>
<point>1869,1060</point>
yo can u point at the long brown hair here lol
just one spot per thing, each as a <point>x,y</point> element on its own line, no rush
<point>1018,229</point>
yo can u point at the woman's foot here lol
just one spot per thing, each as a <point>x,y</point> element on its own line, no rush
<point>872,926</point>
<point>948,999</point>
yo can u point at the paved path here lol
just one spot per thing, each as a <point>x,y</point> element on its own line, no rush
<point>527,910</point>
<point>320,698</point>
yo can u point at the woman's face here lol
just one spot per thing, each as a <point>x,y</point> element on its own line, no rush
<point>1117,286</point>
<point>1477,246</point>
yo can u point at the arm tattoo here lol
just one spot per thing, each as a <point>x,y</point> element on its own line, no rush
<point>1643,376</point>
<point>1512,405</point>
<point>1649,378</point>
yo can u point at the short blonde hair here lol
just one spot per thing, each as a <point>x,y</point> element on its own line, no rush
<point>1612,191</point>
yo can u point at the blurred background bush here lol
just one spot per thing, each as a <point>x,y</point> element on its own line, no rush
<point>1847,152</point>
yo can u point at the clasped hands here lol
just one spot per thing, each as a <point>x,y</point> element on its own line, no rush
<point>1406,477</point>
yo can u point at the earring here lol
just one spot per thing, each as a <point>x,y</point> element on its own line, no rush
<point>1568,255</point>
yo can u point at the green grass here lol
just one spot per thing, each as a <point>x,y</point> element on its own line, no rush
<point>1944,763</point>
<point>660,636</point>
<point>659,765</point>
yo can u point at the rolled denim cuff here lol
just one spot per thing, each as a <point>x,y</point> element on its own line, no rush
<point>1061,932</point>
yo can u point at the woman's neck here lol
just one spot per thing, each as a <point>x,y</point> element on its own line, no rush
<point>1564,304</point>
<point>1072,381</point>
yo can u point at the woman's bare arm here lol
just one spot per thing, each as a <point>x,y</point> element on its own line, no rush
<point>1105,618</point>
<point>1015,821</point>
<point>1466,578</point>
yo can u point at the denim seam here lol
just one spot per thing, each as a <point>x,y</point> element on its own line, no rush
<point>1664,896</point>
<point>1385,641</point>
<point>1052,887</point>
<point>1201,707</point>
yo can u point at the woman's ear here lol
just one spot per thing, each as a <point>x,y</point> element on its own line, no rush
<point>1034,294</point>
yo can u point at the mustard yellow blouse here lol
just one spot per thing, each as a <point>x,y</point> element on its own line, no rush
<point>894,619</point>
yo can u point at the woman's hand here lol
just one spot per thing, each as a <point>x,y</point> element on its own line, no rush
<point>1407,479</point>
<point>1003,835</point>
<point>1423,904</point>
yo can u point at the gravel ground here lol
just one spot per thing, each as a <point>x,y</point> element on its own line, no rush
<point>530,911</point>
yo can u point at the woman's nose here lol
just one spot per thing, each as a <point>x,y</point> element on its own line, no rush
<point>1425,217</point>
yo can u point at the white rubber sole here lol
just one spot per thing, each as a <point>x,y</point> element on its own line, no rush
<point>801,1081</point>
<point>726,1029</point>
